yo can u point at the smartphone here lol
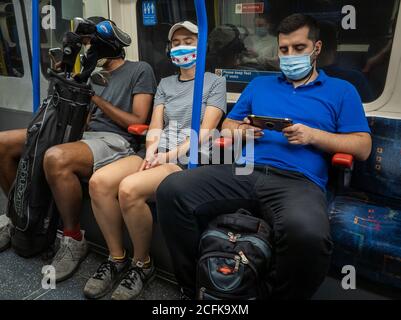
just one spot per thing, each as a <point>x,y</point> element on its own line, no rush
<point>101,78</point>
<point>56,57</point>
<point>275,124</point>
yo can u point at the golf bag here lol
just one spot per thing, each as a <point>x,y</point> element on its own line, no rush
<point>31,208</point>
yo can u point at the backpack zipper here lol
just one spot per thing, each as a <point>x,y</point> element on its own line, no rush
<point>231,256</point>
<point>263,246</point>
<point>244,259</point>
<point>238,259</point>
<point>237,263</point>
<point>233,237</point>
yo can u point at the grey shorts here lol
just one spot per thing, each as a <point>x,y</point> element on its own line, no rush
<point>108,147</point>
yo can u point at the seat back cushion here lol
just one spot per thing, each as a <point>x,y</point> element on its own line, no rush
<point>367,236</point>
<point>381,173</point>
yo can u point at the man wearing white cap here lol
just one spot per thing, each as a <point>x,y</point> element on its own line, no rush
<point>120,191</point>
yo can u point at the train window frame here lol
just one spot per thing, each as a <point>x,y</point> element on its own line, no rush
<point>19,48</point>
<point>388,79</point>
<point>22,102</point>
<point>392,72</point>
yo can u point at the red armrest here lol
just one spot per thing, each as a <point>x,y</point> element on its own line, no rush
<point>138,129</point>
<point>343,160</point>
<point>223,142</point>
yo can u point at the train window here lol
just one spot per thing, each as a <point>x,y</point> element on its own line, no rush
<point>243,38</point>
<point>56,18</point>
<point>10,52</point>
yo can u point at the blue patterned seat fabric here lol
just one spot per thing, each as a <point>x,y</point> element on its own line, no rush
<point>366,220</point>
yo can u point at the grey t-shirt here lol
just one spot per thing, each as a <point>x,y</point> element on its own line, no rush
<point>126,81</point>
<point>177,97</point>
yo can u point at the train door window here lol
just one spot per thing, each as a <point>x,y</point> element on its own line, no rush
<point>56,18</point>
<point>10,51</point>
<point>152,33</point>
<point>357,40</point>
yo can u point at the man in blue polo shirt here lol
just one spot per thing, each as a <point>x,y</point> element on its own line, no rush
<point>288,184</point>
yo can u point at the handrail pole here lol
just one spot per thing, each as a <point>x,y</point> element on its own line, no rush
<point>36,54</point>
<point>198,90</point>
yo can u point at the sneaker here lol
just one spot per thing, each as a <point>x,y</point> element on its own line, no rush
<point>68,257</point>
<point>5,236</point>
<point>105,278</point>
<point>133,282</point>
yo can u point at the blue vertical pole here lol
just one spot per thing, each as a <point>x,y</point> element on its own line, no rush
<point>198,90</point>
<point>36,54</point>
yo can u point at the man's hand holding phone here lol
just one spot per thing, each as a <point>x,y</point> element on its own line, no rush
<point>299,134</point>
<point>250,131</point>
<point>56,59</point>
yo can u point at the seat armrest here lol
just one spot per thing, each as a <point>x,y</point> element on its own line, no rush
<point>223,142</point>
<point>343,160</point>
<point>138,129</point>
<point>344,164</point>
<point>227,154</point>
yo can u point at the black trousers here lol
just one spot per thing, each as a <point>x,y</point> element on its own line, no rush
<point>294,207</point>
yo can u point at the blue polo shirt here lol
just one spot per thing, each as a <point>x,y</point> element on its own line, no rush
<point>329,104</point>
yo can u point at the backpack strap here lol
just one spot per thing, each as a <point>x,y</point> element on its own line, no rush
<point>241,220</point>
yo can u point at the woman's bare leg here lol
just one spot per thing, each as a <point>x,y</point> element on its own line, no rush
<point>103,189</point>
<point>133,193</point>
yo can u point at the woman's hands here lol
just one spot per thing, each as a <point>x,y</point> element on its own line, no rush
<point>153,160</point>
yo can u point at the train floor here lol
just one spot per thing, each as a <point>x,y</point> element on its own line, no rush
<point>20,279</point>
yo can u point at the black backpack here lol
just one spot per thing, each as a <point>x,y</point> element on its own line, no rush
<point>61,118</point>
<point>235,254</point>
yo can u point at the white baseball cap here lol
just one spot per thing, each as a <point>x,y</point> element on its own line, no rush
<point>185,24</point>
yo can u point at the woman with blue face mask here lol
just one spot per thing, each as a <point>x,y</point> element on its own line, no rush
<point>120,192</point>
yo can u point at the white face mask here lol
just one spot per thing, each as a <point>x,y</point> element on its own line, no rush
<point>101,63</point>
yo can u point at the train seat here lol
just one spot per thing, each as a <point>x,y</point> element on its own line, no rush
<point>365,217</point>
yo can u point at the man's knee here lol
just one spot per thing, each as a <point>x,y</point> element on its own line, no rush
<point>312,241</point>
<point>172,186</point>
<point>169,194</point>
<point>4,142</point>
<point>12,143</point>
<point>56,161</point>
<point>308,238</point>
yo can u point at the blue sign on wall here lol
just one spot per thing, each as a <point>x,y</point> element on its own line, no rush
<point>243,76</point>
<point>149,12</point>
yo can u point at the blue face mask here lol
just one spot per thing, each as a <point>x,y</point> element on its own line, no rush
<point>296,67</point>
<point>183,56</point>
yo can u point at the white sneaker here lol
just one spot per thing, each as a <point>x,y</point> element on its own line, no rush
<point>69,256</point>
